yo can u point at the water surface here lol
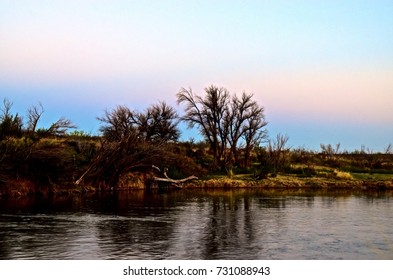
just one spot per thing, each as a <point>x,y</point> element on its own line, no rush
<point>233,224</point>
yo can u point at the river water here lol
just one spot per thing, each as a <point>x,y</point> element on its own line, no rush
<point>185,224</point>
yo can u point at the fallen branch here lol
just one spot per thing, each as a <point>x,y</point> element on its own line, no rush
<point>176,182</point>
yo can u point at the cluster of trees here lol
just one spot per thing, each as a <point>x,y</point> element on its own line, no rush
<point>231,125</point>
<point>12,125</point>
<point>233,128</point>
<point>133,141</point>
<point>32,153</point>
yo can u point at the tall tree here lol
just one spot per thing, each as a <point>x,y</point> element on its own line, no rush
<point>210,115</point>
<point>226,122</point>
<point>246,123</point>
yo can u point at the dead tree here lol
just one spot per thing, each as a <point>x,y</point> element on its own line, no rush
<point>178,183</point>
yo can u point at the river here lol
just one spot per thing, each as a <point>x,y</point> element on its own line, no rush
<point>200,224</point>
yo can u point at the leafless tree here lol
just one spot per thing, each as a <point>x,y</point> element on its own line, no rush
<point>246,123</point>
<point>210,115</point>
<point>278,152</point>
<point>10,125</point>
<point>60,127</point>
<point>132,141</point>
<point>118,123</point>
<point>34,114</point>
<point>388,150</point>
<point>6,109</point>
<point>158,123</point>
<point>227,123</point>
<point>116,158</point>
<point>254,133</point>
<point>329,150</point>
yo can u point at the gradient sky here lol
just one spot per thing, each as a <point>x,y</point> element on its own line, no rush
<point>323,70</point>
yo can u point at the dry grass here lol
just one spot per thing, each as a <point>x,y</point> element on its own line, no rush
<point>342,175</point>
<point>335,180</point>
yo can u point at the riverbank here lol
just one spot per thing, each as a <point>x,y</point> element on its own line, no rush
<point>290,181</point>
<point>18,188</point>
<point>23,187</point>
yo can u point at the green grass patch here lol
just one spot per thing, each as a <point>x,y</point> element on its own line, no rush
<point>374,176</point>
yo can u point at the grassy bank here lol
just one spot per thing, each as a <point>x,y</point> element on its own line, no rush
<point>52,165</point>
<point>137,150</point>
<point>288,181</point>
<point>358,182</point>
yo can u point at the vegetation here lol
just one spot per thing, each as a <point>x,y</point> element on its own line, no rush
<point>229,124</point>
<point>135,148</point>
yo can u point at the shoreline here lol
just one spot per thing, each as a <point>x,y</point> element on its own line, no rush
<point>291,182</point>
<point>21,188</point>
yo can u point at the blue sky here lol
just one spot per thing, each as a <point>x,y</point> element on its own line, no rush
<point>323,70</point>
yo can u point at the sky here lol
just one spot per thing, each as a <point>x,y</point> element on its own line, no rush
<point>323,70</point>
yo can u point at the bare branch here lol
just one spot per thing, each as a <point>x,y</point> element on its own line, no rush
<point>60,127</point>
<point>389,149</point>
<point>34,114</point>
<point>118,123</point>
<point>6,110</point>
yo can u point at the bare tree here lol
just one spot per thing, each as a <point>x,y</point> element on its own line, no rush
<point>34,114</point>
<point>254,133</point>
<point>278,152</point>
<point>10,125</point>
<point>227,123</point>
<point>210,115</point>
<point>329,150</point>
<point>132,141</point>
<point>159,123</point>
<point>116,158</point>
<point>6,110</point>
<point>118,123</point>
<point>246,123</point>
<point>388,150</point>
<point>330,154</point>
<point>60,127</point>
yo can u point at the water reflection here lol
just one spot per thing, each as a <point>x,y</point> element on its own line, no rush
<point>233,224</point>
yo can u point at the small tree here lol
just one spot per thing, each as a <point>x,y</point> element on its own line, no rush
<point>158,123</point>
<point>34,114</point>
<point>388,150</point>
<point>329,150</point>
<point>117,124</point>
<point>10,125</point>
<point>278,152</point>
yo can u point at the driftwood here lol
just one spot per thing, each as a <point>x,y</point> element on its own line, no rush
<point>175,182</point>
<point>179,181</point>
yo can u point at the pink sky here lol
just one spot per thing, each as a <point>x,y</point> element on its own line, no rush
<point>322,70</point>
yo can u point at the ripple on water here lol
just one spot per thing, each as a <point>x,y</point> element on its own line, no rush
<point>228,225</point>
